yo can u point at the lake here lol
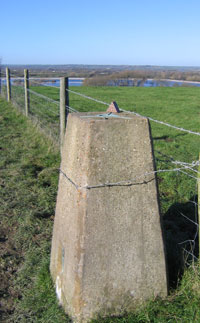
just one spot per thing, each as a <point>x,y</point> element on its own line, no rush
<point>129,82</point>
<point>50,82</point>
<point>72,82</point>
<point>122,82</point>
<point>151,83</point>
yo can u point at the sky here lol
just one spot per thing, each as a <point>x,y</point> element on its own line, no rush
<point>117,32</point>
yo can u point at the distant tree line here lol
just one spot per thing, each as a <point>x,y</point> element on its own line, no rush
<point>101,75</point>
<point>139,77</point>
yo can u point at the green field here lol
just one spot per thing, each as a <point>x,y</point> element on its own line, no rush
<point>176,106</point>
<point>30,161</point>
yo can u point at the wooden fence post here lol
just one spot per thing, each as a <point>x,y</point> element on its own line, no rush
<point>199,203</point>
<point>26,92</point>
<point>8,84</point>
<point>64,103</point>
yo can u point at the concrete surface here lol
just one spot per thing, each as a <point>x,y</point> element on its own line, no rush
<point>107,248</point>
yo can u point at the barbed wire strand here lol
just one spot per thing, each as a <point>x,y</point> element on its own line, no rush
<point>137,114</point>
<point>51,100</point>
<point>188,166</point>
<point>43,105</point>
<point>189,219</point>
<point>191,254</point>
<point>87,97</point>
<point>195,203</point>
<point>44,119</point>
<point>193,241</point>
<point>128,182</point>
<point>71,109</point>
<point>43,97</point>
<point>16,77</point>
<point>164,123</point>
<point>46,105</point>
<point>170,159</point>
<point>39,83</point>
<point>17,95</point>
<point>181,171</point>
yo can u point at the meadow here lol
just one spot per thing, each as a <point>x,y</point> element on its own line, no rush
<point>30,161</point>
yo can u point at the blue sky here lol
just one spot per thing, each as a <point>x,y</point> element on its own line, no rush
<point>135,32</point>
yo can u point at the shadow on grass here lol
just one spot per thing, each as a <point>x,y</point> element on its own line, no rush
<point>180,224</point>
<point>168,138</point>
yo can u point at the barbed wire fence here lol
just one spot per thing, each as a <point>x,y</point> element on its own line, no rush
<point>41,109</point>
<point>17,92</point>
<point>45,112</point>
<point>180,214</point>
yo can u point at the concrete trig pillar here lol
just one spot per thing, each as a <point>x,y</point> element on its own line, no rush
<point>107,249</point>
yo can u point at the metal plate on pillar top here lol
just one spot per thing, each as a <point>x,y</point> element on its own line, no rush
<point>106,116</point>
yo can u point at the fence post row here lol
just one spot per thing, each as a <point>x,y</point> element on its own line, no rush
<point>64,107</point>
<point>64,99</point>
<point>8,84</point>
<point>26,92</point>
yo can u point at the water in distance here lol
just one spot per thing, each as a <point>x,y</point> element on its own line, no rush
<point>128,82</point>
<point>56,82</point>
<point>119,82</point>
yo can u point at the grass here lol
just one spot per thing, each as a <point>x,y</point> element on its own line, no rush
<point>44,113</point>
<point>28,187</point>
